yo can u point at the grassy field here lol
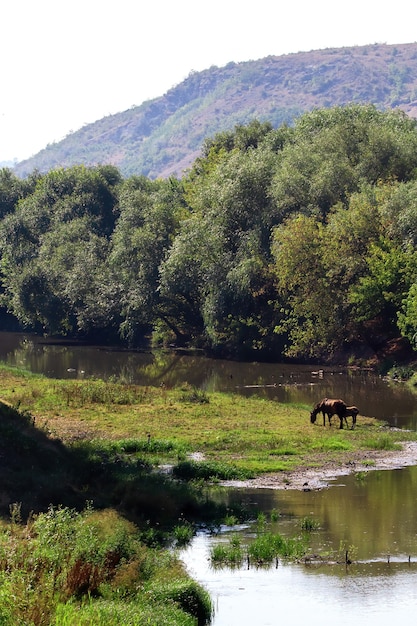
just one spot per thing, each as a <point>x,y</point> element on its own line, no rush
<point>253,434</point>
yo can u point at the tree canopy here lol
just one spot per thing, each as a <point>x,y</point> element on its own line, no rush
<point>290,242</point>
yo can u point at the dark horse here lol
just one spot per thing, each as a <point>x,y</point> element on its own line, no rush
<point>353,412</point>
<point>330,407</point>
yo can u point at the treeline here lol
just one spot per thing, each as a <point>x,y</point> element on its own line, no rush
<point>298,241</point>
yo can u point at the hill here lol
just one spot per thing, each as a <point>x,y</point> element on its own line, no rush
<point>162,137</point>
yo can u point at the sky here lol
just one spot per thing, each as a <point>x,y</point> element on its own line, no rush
<point>67,63</point>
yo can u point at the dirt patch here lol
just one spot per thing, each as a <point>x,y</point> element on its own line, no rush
<point>319,477</point>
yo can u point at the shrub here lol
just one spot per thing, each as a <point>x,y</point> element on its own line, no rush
<point>188,595</point>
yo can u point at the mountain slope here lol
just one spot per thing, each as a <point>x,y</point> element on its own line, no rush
<point>164,136</point>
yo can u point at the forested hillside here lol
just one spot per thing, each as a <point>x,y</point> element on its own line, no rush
<point>164,136</point>
<point>297,241</point>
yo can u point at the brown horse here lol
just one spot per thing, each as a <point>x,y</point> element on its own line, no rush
<point>329,407</point>
<point>353,412</point>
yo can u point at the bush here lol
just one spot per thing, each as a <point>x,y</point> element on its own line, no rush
<point>190,596</point>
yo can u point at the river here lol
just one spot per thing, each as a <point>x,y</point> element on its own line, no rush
<point>304,384</point>
<point>372,515</point>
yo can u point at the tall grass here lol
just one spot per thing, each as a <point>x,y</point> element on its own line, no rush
<point>54,568</point>
<point>81,393</point>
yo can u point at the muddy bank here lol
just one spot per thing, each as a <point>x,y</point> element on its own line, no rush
<point>324,471</point>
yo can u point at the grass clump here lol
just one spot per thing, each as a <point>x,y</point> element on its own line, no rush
<point>210,470</point>
<point>309,524</point>
<point>382,442</point>
<point>64,567</point>
<point>231,553</point>
<point>186,594</point>
<point>265,548</point>
<point>193,395</point>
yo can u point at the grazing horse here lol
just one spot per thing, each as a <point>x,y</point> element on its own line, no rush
<point>329,407</point>
<point>353,412</point>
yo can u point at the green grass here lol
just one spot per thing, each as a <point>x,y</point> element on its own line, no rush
<point>308,524</point>
<point>64,567</point>
<point>382,441</point>
<point>249,435</point>
<point>264,549</point>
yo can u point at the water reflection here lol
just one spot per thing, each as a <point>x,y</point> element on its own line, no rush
<point>280,382</point>
<point>375,514</point>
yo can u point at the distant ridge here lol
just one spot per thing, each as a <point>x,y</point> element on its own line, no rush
<point>163,137</point>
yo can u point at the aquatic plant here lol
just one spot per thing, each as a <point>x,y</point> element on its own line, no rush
<point>231,553</point>
<point>309,524</point>
<point>183,533</point>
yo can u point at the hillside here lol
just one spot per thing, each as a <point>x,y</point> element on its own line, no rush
<point>162,137</point>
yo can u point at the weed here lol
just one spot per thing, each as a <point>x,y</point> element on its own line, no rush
<point>183,534</point>
<point>261,523</point>
<point>188,595</point>
<point>361,476</point>
<point>53,569</point>
<point>269,546</point>
<point>194,395</point>
<point>308,524</point>
<point>230,520</point>
<point>274,515</point>
<point>231,553</point>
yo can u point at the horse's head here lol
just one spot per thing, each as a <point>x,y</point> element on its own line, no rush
<point>313,416</point>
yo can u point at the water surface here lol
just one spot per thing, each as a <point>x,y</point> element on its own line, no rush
<point>282,382</point>
<point>374,517</point>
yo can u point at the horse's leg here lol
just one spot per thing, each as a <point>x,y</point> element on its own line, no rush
<point>324,417</point>
<point>341,422</point>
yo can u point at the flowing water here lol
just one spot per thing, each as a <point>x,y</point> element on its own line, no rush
<point>374,515</point>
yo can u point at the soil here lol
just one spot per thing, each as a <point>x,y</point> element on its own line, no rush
<point>321,476</point>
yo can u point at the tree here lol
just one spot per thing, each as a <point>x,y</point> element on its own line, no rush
<point>150,213</point>
<point>54,248</point>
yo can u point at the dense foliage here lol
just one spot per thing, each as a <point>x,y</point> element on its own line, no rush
<point>292,241</point>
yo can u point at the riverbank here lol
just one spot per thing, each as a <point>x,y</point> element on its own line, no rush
<point>325,471</point>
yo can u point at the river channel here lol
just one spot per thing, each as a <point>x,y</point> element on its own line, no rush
<point>373,515</point>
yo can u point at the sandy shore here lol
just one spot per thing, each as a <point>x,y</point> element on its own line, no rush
<point>320,477</point>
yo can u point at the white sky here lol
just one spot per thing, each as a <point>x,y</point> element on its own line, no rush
<point>68,63</point>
